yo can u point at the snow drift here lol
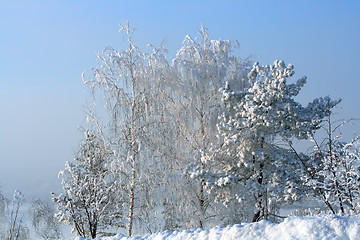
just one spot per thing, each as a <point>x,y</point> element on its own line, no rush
<point>327,227</point>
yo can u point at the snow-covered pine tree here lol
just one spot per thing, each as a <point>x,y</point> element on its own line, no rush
<point>88,201</point>
<point>253,166</point>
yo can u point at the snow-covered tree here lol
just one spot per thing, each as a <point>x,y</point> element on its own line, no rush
<point>12,224</point>
<point>161,126</point>
<point>253,166</point>
<point>331,170</point>
<point>3,201</point>
<point>87,202</point>
<point>160,117</point>
<point>42,216</point>
<point>127,81</point>
<point>201,67</point>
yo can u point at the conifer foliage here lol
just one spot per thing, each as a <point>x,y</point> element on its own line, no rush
<point>253,130</point>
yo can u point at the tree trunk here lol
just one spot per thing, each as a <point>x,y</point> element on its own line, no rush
<point>202,202</point>
<point>132,201</point>
<point>260,208</point>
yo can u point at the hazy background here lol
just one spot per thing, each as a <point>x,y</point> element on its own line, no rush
<point>46,45</point>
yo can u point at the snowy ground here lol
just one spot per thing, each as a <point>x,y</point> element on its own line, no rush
<point>326,227</point>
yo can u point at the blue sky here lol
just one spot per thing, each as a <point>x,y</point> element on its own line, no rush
<point>46,45</point>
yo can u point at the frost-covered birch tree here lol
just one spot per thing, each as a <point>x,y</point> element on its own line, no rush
<point>201,67</point>
<point>161,117</point>
<point>128,82</point>
<point>253,166</point>
<point>12,225</point>
<point>42,216</point>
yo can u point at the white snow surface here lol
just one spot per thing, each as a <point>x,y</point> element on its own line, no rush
<point>325,227</point>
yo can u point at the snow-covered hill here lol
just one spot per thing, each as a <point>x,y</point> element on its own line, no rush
<point>325,227</point>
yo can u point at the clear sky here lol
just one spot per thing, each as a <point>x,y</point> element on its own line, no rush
<point>46,45</point>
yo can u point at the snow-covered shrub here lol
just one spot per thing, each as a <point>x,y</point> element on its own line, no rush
<point>331,170</point>
<point>87,202</point>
